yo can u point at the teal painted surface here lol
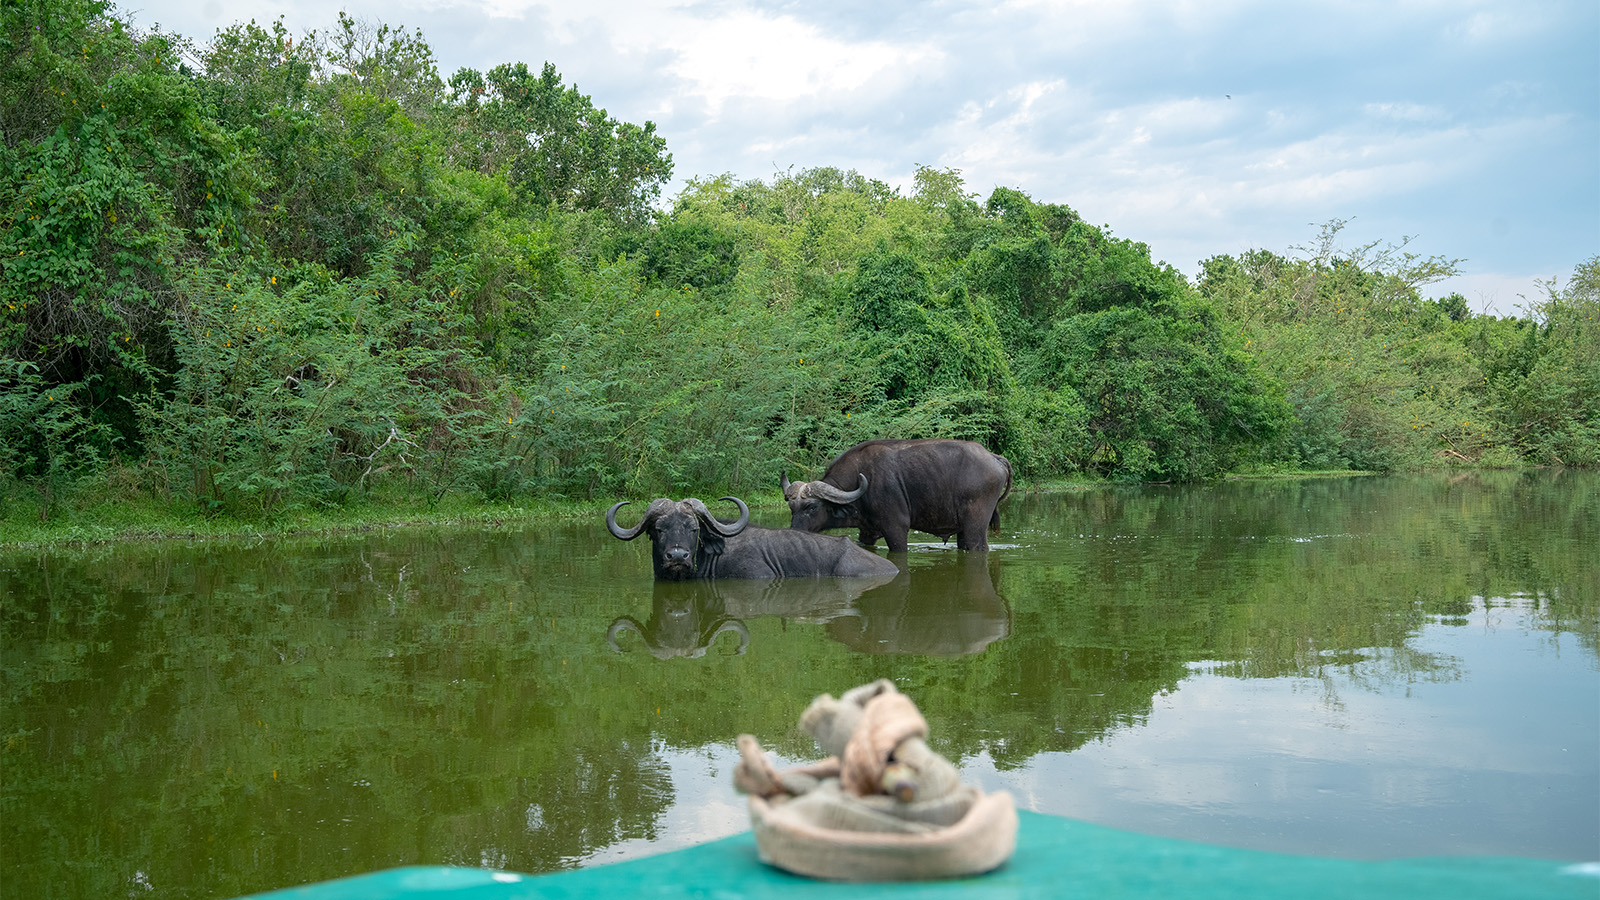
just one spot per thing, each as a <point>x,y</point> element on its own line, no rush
<point>1055,857</point>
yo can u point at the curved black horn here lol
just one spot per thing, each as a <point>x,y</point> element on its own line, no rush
<point>618,627</point>
<point>626,534</point>
<point>784,484</point>
<point>834,495</point>
<point>727,530</point>
<point>735,626</point>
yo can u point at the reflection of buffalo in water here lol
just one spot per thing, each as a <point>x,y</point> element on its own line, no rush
<point>685,620</point>
<point>947,609</point>
<point>687,617</point>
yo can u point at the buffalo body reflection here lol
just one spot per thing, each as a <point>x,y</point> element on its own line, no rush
<point>687,617</point>
<point>947,609</point>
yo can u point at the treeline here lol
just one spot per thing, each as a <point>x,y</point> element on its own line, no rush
<point>276,271</point>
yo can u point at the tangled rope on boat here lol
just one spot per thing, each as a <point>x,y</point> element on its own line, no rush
<point>882,807</point>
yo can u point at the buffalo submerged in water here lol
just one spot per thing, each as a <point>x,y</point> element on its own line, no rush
<point>689,542</point>
<point>887,488</point>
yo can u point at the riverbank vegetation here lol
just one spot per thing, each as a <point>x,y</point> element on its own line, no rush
<point>276,275</point>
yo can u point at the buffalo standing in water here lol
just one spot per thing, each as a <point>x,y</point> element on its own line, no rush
<point>689,542</point>
<point>887,488</point>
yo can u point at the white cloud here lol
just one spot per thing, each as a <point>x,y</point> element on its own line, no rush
<point>993,136</point>
<point>751,56</point>
<point>1499,26</point>
<point>719,54</point>
<point>1406,112</point>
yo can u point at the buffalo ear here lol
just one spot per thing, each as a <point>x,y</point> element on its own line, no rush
<point>713,531</point>
<point>712,543</point>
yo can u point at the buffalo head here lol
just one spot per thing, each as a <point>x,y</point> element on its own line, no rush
<point>816,505</point>
<point>683,534</point>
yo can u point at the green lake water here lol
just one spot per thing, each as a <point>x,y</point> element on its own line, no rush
<point>1356,667</point>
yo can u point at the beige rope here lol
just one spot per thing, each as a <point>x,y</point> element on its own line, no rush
<point>886,720</point>
<point>892,810</point>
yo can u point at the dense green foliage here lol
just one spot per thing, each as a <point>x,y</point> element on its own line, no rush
<point>1381,379</point>
<point>276,272</point>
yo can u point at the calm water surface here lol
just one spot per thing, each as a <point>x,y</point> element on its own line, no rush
<point>1368,667</point>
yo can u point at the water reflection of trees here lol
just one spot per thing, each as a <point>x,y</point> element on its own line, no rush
<point>228,718</point>
<point>1118,592</point>
<point>242,718</point>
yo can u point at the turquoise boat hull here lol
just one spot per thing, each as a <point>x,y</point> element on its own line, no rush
<point>1055,858</point>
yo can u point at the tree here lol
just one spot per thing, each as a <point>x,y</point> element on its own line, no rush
<point>939,355</point>
<point>554,145</point>
<point>1548,380</point>
<point>113,178</point>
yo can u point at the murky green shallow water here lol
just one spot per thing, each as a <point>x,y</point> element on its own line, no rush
<point>1367,667</point>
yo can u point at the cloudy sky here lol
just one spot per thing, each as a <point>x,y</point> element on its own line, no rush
<point>1195,127</point>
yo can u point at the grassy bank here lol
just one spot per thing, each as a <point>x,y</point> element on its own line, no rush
<point>110,520</point>
<point>150,520</point>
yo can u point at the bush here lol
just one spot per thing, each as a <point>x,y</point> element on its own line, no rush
<point>308,392</point>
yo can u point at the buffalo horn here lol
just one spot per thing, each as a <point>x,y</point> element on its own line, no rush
<point>618,627</point>
<point>735,626</point>
<point>828,492</point>
<point>726,529</point>
<point>626,534</point>
<point>740,523</point>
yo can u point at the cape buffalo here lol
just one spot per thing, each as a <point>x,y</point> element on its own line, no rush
<point>886,488</point>
<point>688,542</point>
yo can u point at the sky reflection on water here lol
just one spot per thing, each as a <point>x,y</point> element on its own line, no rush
<point>1494,758</point>
<point>1498,760</point>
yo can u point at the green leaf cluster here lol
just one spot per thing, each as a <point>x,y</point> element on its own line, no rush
<point>281,271</point>
<point>1381,379</point>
